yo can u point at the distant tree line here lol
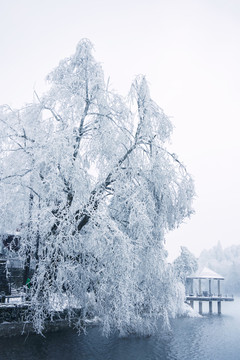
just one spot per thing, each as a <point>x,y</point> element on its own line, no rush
<point>225,262</point>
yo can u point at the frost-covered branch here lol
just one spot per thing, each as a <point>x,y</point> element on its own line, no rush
<point>80,131</point>
<point>16,175</point>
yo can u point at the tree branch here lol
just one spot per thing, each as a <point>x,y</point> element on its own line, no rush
<point>16,175</point>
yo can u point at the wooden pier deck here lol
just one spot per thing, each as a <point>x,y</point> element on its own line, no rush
<point>210,299</point>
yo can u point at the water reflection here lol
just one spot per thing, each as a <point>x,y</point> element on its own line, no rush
<point>208,338</point>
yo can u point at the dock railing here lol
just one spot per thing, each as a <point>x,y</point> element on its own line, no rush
<point>13,299</point>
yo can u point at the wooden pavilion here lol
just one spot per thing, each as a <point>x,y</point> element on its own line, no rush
<point>206,295</point>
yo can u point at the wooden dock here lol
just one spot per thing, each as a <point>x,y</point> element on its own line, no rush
<point>209,298</point>
<point>200,298</point>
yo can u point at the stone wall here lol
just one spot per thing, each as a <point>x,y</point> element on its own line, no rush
<point>12,312</point>
<point>20,312</point>
<point>13,320</point>
<point>19,328</point>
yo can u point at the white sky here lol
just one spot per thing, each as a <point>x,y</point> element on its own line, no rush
<point>188,49</point>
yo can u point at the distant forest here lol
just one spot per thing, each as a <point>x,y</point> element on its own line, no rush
<point>225,262</point>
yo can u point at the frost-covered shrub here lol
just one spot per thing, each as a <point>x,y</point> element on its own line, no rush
<point>185,264</point>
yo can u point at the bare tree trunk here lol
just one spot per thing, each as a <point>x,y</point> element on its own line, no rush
<point>27,262</point>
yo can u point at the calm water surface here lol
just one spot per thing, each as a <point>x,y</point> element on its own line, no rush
<point>207,338</point>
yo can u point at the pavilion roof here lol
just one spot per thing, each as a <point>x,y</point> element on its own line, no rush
<point>206,273</point>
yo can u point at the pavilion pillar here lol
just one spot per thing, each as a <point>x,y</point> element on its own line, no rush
<point>191,293</point>
<point>210,294</point>
<point>199,287</point>
<point>191,287</point>
<point>200,307</point>
<point>219,307</point>
<point>200,294</point>
<point>210,287</point>
<point>210,307</point>
<point>219,291</point>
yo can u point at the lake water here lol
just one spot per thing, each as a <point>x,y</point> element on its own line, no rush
<point>210,337</point>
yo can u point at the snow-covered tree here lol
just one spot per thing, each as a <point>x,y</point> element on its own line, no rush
<point>185,264</point>
<point>88,174</point>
